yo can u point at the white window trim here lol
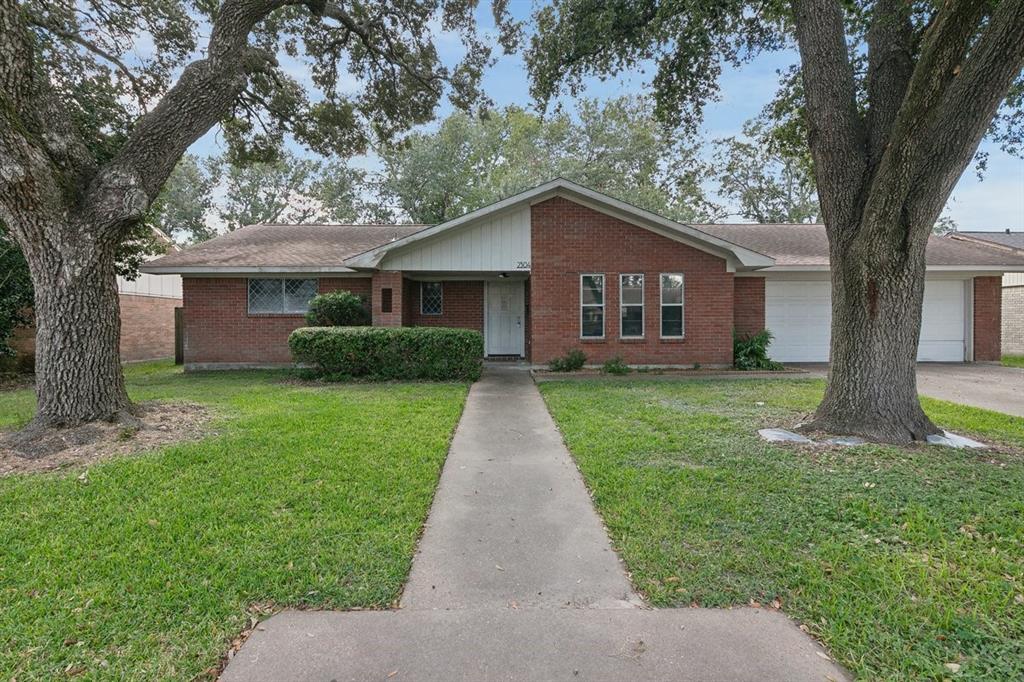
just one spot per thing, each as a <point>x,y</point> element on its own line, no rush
<point>601,305</point>
<point>441,311</point>
<point>284,312</point>
<point>643,307</point>
<point>662,305</point>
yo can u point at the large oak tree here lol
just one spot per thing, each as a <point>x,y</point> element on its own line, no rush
<point>895,97</point>
<point>99,99</point>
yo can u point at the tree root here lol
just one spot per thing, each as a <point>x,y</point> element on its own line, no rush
<point>891,432</point>
<point>43,437</point>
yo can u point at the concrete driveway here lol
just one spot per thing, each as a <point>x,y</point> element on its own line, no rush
<point>985,385</point>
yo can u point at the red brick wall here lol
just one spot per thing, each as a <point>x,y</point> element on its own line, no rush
<point>147,327</point>
<point>988,301</point>
<point>219,328</point>
<point>387,280</point>
<point>569,239</point>
<point>748,310</point>
<point>462,306</point>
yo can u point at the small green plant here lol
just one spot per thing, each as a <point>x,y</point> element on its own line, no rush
<point>338,309</point>
<point>750,351</point>
<point>616,365</point>
<point>570,362</point>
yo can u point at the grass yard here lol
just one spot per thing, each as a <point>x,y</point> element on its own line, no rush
<point>1013,361</point>
<point>308,497</point>
<point>900,560</point>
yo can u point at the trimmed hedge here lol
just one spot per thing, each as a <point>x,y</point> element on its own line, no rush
<point>338,309</point>
<point>386,353</point>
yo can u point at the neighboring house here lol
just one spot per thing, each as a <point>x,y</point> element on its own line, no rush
<point>147,316</point>
<point>1013,286</point>
<point>558,267</point>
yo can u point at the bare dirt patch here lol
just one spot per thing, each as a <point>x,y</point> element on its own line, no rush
<point>160,424</point>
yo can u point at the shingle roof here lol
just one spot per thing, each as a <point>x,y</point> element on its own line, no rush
<point>807,245</point>
<point>292,246</point>
<point>319,247</point>
<point>1012,240</point>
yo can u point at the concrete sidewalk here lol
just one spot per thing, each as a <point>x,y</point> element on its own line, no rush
<point>515,579</point>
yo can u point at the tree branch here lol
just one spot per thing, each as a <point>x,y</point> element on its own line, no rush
<point>890,67</point>
<point>836,132</point>
<point>971,102</point>
<point>95,49</point>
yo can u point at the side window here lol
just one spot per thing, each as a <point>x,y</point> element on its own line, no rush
<point>592,306</point>
<point>431,298</point>
<point>672,305</point>
<point>631,306</point>
<point>280,296</point>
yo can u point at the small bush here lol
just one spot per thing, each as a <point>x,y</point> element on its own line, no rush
<point>615,365</point>
<point>751,351</point>
<point>570,362</point>
<point>338,309</point>
<point>389,353</point>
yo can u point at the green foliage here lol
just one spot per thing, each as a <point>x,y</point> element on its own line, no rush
<point>751,351</point>
<point>570,362</point>
<point>110,77</point>
<point>1013,361</point>
<point>899,559</point>
<point>287,189</point>
<point>763,178</point>
<point>16,293</point>
<point>298,497</point>
<point>688,43</point>
<point>338,309</point>
<point>181,208</point>
<point>390,353</point>
<point>615,147</point>
<point>616,365</point>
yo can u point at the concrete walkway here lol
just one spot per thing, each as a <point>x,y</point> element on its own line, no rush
<point>515,579</point>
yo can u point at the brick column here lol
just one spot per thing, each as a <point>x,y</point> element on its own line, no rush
<point>386,299</point>
<point>988,303</point>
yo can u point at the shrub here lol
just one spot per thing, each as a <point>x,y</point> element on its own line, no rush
<point>751,351</point>
<point>615,365</point>
<point>390,353</point>
<point>570,362</point>
<point>338,309</point>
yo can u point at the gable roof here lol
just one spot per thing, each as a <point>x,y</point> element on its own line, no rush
<point>805,246</point>
<point>740,255</point>
<point>280,248</point>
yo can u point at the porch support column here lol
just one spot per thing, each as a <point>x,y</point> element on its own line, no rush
<point>386,299</point>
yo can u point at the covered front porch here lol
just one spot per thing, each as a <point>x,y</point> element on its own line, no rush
<point>494,303</point>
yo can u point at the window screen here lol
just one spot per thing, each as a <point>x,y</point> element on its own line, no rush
<point>281,296</point>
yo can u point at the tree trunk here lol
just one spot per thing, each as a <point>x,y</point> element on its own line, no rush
<point>877,294</point>
<point>78,364</point>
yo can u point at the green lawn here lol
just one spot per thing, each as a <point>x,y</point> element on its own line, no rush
<point>309,497</point>
<point>1013,360</point>
<point>900,560</point>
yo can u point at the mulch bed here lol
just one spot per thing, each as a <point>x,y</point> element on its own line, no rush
<point>160,424</point>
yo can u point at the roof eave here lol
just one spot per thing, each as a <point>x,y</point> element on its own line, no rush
<point>242,269</point>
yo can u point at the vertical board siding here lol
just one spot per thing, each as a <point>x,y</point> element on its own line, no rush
<point>495,244</point>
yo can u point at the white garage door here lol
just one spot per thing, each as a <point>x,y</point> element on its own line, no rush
<point>799,314</point>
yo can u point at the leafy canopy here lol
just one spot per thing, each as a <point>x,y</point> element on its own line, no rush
<point>616,147</point>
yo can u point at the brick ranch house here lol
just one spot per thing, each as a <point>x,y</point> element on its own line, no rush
<point>1013,286</point>
<point>558,267</point>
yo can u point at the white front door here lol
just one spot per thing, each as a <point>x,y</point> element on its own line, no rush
<point>504,318</point>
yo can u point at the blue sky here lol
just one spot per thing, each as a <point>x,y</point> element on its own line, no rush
<point>996,203</point>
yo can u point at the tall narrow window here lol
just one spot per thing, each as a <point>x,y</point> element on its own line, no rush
<point>631,306</point>
<point>431,298</point>
<point>592,306</point>
<point>672,306</point>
